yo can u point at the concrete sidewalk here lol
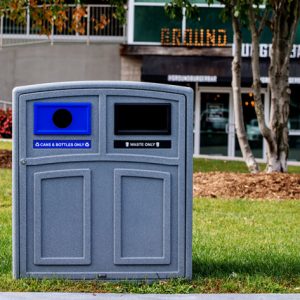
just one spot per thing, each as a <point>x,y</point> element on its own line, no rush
<point>82,296</point>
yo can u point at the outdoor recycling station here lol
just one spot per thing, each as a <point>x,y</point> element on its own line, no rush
<point>102,181</point>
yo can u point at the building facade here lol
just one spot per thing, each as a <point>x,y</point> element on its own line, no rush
<point>28,57</point>
<point>198,53</point>
<point>153,48</point>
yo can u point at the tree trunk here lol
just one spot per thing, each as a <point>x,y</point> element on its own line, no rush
<point>256,85</point>
<point>285,24</point>
<point>237,103</point>
<point>280,101</point>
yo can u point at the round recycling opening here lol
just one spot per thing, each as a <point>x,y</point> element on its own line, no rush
<point>62,118</point>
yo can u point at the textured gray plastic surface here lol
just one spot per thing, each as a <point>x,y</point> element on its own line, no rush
<point>103,212</point>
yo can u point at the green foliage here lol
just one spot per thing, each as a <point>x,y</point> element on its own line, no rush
<point>15,9</point>
<point>232,8</point>
<point>46,14</point>
<point>174,9</point>
<point>121,9</point>
<point>5,145</point>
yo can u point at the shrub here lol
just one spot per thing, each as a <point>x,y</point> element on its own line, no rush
<point>5,123</point>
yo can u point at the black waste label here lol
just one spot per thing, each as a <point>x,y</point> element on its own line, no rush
<point>142,144</point>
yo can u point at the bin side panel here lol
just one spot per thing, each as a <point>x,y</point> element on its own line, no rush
<point>189,182</point>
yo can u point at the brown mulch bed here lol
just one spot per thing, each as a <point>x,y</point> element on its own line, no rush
<point>230,185</point>
<point>5,159</point>
<point>250,186</point>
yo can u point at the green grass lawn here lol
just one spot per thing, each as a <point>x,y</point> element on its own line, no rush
<point>211,165</point>
<point>238,246</point>
<point>6,145</point>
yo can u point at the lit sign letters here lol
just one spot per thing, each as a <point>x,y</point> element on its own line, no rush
<point>193,37</point>
<point>264,50</point>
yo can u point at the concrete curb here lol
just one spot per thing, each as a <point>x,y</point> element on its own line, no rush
<point>83,296</point>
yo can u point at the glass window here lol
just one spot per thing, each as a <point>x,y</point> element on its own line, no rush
<point>294,143</point>
<point>294,119</point>
<point>214,123</point>
<point>251,124</point>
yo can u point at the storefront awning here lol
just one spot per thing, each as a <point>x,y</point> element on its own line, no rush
<point>209,70</point>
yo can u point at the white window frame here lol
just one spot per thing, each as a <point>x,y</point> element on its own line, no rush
<point>231,123</point>
<point>197,129</point>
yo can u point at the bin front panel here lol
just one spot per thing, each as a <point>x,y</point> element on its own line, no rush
<point>100,181</point>
<point>113,204</point>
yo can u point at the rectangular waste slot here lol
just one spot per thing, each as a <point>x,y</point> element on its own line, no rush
<point>102,181</point>
<point>142,119</point>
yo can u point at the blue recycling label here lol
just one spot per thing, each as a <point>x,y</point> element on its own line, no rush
<point>62,144</point>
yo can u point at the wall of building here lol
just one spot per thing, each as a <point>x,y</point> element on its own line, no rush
<point>43,63</point>
<point>131,68</point>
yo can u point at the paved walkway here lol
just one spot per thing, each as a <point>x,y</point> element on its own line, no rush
<point>80,296</point>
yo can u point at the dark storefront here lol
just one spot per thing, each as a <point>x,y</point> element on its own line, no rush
<point>183,53</point>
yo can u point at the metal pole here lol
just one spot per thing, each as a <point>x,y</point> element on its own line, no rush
<point>123,32</point>
<point>28,21</point>
<point>197,121</point>
<point>77,21</point>
<point>88,25</point>
<point>52,34</point>
<point>1,31</point>
<point>183,24</point>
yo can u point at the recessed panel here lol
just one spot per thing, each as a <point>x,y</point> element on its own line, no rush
<point>62,217</point>
<point>142,217</point>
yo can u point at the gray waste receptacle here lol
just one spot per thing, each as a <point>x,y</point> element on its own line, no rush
<point>102,181</point>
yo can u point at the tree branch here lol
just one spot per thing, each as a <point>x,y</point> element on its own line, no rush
<point>252,20</point>
<point>259,108</point>
<point>264,20</point>
<point>293,29</point>
<point>237,103</point>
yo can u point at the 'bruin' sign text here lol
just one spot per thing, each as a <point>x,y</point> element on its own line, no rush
<point>193,37</point>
